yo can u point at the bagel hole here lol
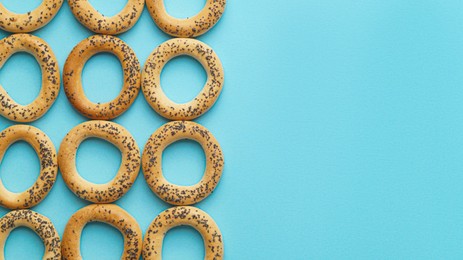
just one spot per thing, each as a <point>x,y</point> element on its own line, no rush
<point>182,78</point>
<point>183,162</point>
<point>102,77</point>
<point>23,243</point>
<point>20,167</point>
<point>101,241</point>
<point>106,9</point>
<point>98,160</point>
<point>21,7</point>
<point>21,77</point>
<point>183,9</point>
<point>183,242</point>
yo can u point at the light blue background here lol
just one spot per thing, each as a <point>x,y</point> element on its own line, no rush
<point>341,123</point>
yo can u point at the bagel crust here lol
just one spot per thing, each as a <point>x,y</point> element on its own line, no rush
<point>126,175</point>
<point>107,213</point>
<point>151,79</point>
<point>98,23</point>
<point>152,162</point>
<point>30,21</point>
<point>50,77</point>
<point>40,224</point>
<point>189,27</point>
<point>46,152</point>
<point>183,216</point>
<point>72,77</point>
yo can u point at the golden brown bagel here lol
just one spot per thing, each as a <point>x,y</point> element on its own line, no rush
<point>50,77</point>
<point>183,216</point>
<point>40,224</point>
<point>125,177</point>
<point>152,162</point>
<point>98,23</point>
<point>46,152</point>
<point>189,27</point>
<point>72,76</point>
<point>151,79</point>
<point>30,21</point>
<point>107,213</point>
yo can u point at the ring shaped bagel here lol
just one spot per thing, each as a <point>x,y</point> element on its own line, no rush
<point>46,152</point>
<point>183,216</point>
<point>126,175</point>
<point>189,27</point>
<point>73,77</point>
<point>50,77</point>
<point>151,79</point>
<point>40,224</point>
<point>98,23</point>
<point>30,21</point>
<point>106,213</point>
<point>152,162</point>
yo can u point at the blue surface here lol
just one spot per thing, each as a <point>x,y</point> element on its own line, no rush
<point>340,121</point>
